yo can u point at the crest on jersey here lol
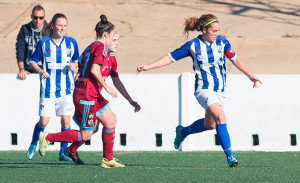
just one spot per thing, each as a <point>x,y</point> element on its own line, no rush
<point>68,51</point>
<point>219,49</point>
<point>91,122</point>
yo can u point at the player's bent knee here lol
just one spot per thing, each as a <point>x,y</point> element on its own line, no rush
<point>221,119</point>
<point>211,126</point>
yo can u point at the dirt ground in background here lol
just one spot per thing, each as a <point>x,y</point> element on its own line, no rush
<point>265,34</point>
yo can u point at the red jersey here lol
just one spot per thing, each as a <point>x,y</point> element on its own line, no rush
<point>95,53</point>
<point>109,68</point>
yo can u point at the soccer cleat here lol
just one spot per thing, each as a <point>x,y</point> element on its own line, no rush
<point>178,139</point>
<point>73,156</point>
<point>43,143</point>
<point>64,157</point>
<point>31,151</point>
<point>232,161</point>
<point>114,163</point>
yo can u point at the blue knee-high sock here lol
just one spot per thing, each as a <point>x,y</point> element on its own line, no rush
<point>36,134</point>
<point>196,127</point>
<point>224,138</point>
<point>63,145</point>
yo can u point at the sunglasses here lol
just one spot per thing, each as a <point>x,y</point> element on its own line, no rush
<point>36,17</point>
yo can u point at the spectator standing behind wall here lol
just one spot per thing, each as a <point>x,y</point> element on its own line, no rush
<point>27,39</point>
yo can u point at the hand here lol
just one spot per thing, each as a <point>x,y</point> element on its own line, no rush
<point>76,77</point>
<point>72,66</point>
<point>44,74</point>
<point>141,68</point>
<point>111,91</point>
<point>255,79</point>
<point>22,74</point>
<point>136,106</point>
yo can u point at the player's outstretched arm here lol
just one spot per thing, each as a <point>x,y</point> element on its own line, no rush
<point>121,88</point>
<point>163,61</point>
<point>241,66</point>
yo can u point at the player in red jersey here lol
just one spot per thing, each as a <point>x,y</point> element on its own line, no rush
<point>95,65</point>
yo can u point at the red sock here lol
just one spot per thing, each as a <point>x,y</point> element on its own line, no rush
<point>74,146</point>
<point>108,138</point>
<point>66,136</point>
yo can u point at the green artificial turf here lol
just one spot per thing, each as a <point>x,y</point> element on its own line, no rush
<point>152,167</point>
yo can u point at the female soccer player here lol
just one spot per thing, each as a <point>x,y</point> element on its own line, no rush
<point>59,55</point>
<point>208,52</point>
<point>95,65</point>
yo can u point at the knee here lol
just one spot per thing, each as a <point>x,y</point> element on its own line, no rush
<point>221,119</point>
<point>65,122</point>
<point>113,122</point>
<point>86,136</point>
<point>210,126</point>
<point>42,124</point>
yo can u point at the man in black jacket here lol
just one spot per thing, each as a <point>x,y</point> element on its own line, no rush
<point>27,39</point>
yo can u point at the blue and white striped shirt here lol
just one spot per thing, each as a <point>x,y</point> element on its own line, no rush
<point>208,61</point>
<point>55,60</point>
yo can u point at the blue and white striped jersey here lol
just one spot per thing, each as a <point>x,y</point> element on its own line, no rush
<point>208,61</point>
<point>55,60</point>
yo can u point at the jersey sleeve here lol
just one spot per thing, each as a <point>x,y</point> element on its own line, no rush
<point>114,67</point>
<point>37,54</point>
<point>75,56</point>
<point>229,53</point>
<point>181,52</point>
<point>100,54</point>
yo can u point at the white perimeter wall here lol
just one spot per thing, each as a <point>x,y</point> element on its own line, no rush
<point>271,111</point>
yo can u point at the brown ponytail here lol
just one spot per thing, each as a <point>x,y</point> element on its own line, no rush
<point>193,23</point>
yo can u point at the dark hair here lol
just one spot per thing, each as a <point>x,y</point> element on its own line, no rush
<point>198,24</point>
<point>48,29</point>
<point>37,8</point>
<point>103,26</point>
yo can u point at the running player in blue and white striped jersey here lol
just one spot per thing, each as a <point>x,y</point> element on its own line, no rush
<point>59,56</point>
<point>208,61</point>
<point>208,52</point>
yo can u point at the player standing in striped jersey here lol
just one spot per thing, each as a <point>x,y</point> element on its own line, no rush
<point>59,56</point>
<point>208,52</point>
<point>95,65</point>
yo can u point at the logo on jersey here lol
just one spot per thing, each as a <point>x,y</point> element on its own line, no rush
<point>104,68</point>
<point>199,51</point>
<point>48,51</point>
<point>91,116</point>
<point>68,51</point>
<point>219,49</point>
<point>91,122</point>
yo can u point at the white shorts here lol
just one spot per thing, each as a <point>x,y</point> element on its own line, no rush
<point>207,97</point>
<point>56,106</point>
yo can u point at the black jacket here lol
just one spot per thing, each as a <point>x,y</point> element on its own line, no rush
<point>26,42</point>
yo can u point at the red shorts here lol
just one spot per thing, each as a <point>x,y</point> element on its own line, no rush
<point>86,108</point>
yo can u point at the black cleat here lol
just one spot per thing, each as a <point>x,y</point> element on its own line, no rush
<point>74,157</point>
